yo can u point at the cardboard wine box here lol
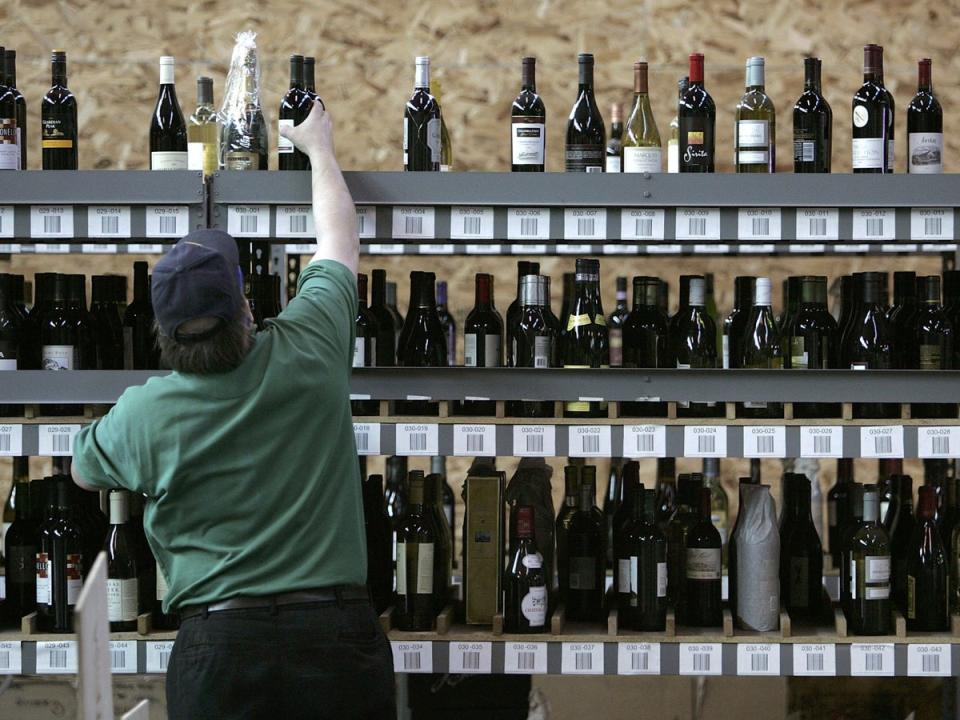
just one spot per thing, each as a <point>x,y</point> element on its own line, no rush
<point>483,538</point>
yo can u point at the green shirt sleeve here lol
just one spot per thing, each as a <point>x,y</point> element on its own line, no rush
<point>100,452</point>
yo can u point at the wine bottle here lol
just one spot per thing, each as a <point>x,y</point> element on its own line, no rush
<point>309,78</point>
<point>870,572</point>
<point>446,146</point>
<point>483,329</point>
<point>11,337</point>
<point>932,340</point>
<point>868,342</point>
<point>848,529</point>
<point>421,124</point>
<point>512,317</point>
<point>122,571</point>
<point>888,469</point>
<point>673,144</point>
<point>899,524</point>
<point>21,103</point>
<point>365,345</point>
<point>524,583</point>
<point>566,302</point>
<point>391,302</point>
<point>82,321</point>
<point>11,134</point>
<point>58,119</point>
<point>926,571</point>
<point>244,140</point>
<point>693,340</point>
<point>416,544</point>
<point>446,501</point>
<point>838,508</point>
<point>528,123</point>
<point>735,324</point>
<point>615,323</point>
<point>571,496</point>
<point>702,570</point>
<point>872,117</point>
<point>762,349</point>
<point>295,105</point>
<point>140,351</point>
<point>447,323</point>
<point>203,131</point>
<point>59,338</point>
<point>586,134</point>
<point>925,126</point>
<point>623,491</point>
<point>585,340</point>
<point>754,137</point>
<point>801,554</point>
<point>107,323</point>
<point>386,335</point>
<point>443,550</point>
<point>811,340</point>
<point>20,549</point>
<point>168,131</point>
<point>587,555</point>
<point>60,565</point>
<point>903,312</point>
<point>379,532</point>
<point>642,558</point>
<point>646,341</point>
<point>535,339</point>
<point>615,143</point>
<point>421,342</point>
<point>754,551</point>
<point>683,519</point>
<point>812,124</point>
<point>697,116</point>
<point>719,502</point>
<point>612,499</point>
<point>666,490</point>
<point>641,141</point>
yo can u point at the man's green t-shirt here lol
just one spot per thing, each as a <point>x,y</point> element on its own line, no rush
<point>251,476</point>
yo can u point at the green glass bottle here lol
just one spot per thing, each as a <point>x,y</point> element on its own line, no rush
<point>870,565</point>
<point>754,134</point>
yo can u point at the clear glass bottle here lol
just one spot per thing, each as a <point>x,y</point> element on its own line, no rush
<point>203,131</point>
<point>754,133</point>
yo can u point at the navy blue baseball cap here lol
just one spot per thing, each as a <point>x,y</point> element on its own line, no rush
<point>199,278</point>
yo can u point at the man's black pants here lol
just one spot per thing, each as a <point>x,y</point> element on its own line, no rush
<point>317,661</point>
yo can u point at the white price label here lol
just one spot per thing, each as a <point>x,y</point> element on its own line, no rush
<point>584,224</point>
<point>581,658</point>
<point>899,248</point>
<point>299,248</point>
<point>13,248</point>
<point>367,438</point>
<point>721,249</point>
<point>758,659</point>
<point>534,440</point>
<point>938,442</point>
<point>166,221</point>
<point>764,441</point>
<point>881,441</point>
<point>821,441</point>
<point>525,658</point>
<point>51,248</point>
<point>11,657</point>
<point>698,224</point>
<point>936,247</point>
<point>6,221</point>
<point>471,223</point>
<point>929,660</point>
<point>818,224</point>
<point>98,249</point>
<point>248,220</point>
<point>484,249</point>
<point>638,658</point>
<point>441,249</point>
<point>756,249</point>
<point>11,440</point>
<point>144,249</point>
<point>758,224</point>
<point>931,224</point>
<point>51,221</point>
<point>874,224</point>
<point>366,222</point>
<point>57,440</point>
<point>108,221</point>
<point>158,656</point>
<point>414,223</point>
<point>386,249</point>
<point>475,440</point>
<point>813,248</point>
<point>814,660</point>
<point>417,439</point>
<point>664,249</point>
<point>705,441</point>
<point>123,656</point>
<point>644,441</point>
<point>412,657</point>
<point>849,249</point>
<point>528,249</point>
<point>871,660</point>
<point>620,249</point>
<point>294,221</point>
<point>471,657</point>
<point>526,224</point>
<point>701,659</point>
<point>642,224</point>
<point>589,441</point>
<point>57,657</point>
<point>567,249</point>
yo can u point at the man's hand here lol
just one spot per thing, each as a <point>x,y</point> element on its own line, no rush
<point>314,136</point>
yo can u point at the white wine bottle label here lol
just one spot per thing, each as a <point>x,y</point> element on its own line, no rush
<point>703,563</point>
<point>44,573</point>
<point>542,349</point>
<point>470,350</point>
<point>752,157</point>
<point>424,568</point>
<point>534,606</point>
<point>527,143</point>
<point>753,134</point>
<point>726,352</point>
<point>284,146</point>
<point>9,144</point>
<point>433,139</point>
<point>59,357</point>
<point>196,152</point>
<point>491,351</point>
<point>867,153</point>
<point>122,599</point>
<point>925,154</point>
<point>400,549</point>
<point>358,352</point>
<point>661,579</point>
<point>878,569</point>
<point>74,576</point>
<point>673,156</point>
<point>624,574</point>
<point>890,148</point>
<point>613,164</point>
<point>582,573</point>
<point>799,359</point>
<point>8,364</point>
<point>642,159</point>
<point>168,161</point>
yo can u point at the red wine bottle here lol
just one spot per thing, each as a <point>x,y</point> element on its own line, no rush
<point>528,126</point>
<point>812,124</point>
<point>924,126</point>
<point>416,545</point>
<point>697,117</point>
<point>702,570</point>
<point>586,550</point>
<point>60,561</point>
<point>58,119</point>
<point>927,590</point>
<point>586,135</point>
<point>295,106</point>
<point>168,131</point>
<point>872,117</point>
<point>20,549</point>
<point>524,583</point>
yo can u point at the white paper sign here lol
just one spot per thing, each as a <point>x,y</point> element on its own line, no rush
<point>821,441</point>
<point>705,441</point>
<point>248,220</point>
<point>764,441</point>
<point>758,224</point>
<point>414,223</point>
<point>881,441</point>
<point>366,222</point>
<point>644,441</point>
<point>11,440</point>
<point>931,224</point>
<point>158,655</point>
<point>818,224</point>
<point>475,440</point>
<point>471,223</point>
<point>581,658</point>
<point>6,221</point>
<point>412,657</point>
<point>701,659</point>
<point>589,441</point>
<point>526,224</point>
<point>471,657</point>
<point>938,442</point>
<point>585,224</point>
<point>294,221</point>
<point>874,224</point>
<point>123,656</point>
<point>57,440</point>
<point>929,660</point>
<point>814,660</point>
<point>417,439</point>
<point>166,221</point>
<point>758,659</point>
<point>638,658</point>
<point>108,221</point>
<point>57,657</point>
<point>367,438</point>
<point>871,660</point>
<point>698,224</point>
<point>642,224</point>
<point>534,440</point>
<point>51,221</point>
<point>11,657</point>
<point>525,658</point>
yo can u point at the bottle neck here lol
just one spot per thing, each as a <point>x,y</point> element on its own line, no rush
<point>362,290</point>
<point>528,80</point>
<point>586,76</point>
<point>378,290</point>
<point>166,73</point>
<point>640,79</point>
<point>924,84</point>
<point>296,74</point>
<point>646,294</point>
<point>587,497</point>
<point>140,283</point>
<point>422,293</point>
<point>483,292</point>
<point>119,507</point>
<point>22,508</point>
<point>11,69</point>
<point>422,78</point>
<point>204,93</point>
<point>811,75</point>
<point>871,508</point>
<point>696,70</point>
<point>59,73</point>
<point>755,76</point>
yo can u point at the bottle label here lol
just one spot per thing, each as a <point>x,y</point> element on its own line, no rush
<point>703,564</point>
<point>491,350</point>
<point>168,161</point>
<point>52,135</point>
<point>925,153</point>
<point>613,164</point>
<point>359,356</point>
<point>400,551</point>
<point>585,158</point>
<point>433,139</point>
<point>202,156</point>
<point>799,590</point>
<point>798,353</point>
<point>241,160</point>
<point>470,350</point>
<point>528,141</point>
<point>930,357</point>
<point>696,144</point>
<point>122,599</point>
<point>576,321</point>
<point>726,352</point>
<point>9,144</point>
<point>890,147</point>
<point>59,357</point>
<point>911,597</point>
<point>74,575</point>
<point>878,569</point>
<point>870,578</point>
<point>616,347</point>
<point>582,575</point>
<point>44,575</point>
<point>8,355</point>
<point>533,562</point>
<point>625,574</point>
<point>424,568</point>
<point>867,153</point>
<point>542,350</point>
<point>661,579</point>
<point>753,133</point>
<point>643,159</point>
<point>162,588</point>
<point>406,140</point>
<point>673,156</point>
<point>804,151</point>
<point>284,146</point>
<point>860,116</point>
<point>534,606</point>
<point>21,564</point>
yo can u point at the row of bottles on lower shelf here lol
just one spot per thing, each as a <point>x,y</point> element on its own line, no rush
<point>667,546</point>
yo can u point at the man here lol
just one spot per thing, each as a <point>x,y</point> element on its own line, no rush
<point>246,455</point>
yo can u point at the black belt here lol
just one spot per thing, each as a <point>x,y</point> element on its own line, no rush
<point>341,594</point>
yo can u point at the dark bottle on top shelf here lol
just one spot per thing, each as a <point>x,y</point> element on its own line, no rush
<point>528,125</point>
<point>20,549</point>
<point>421,124</point>
<point>386,349</point>
<point>447,323</point>
<point>535,339</point>
<point>925,126</point>
<point>693,340</point>
<point>379,534</point>
<point>417,537</point>
<point>927,607</point>
<point>168,131</point>
<point>140,351</point>
<point>58,119</point>
<point>872,118</point>
<point>524,584</point>
<point>108,325</point>
<point>762,348</point>
<point>646,342</point>
<point>615,323</point>
<point>122,571</point>
<point>60,563</point>
<point>642,558</point>
<point>899,524</point>
<point>21,103</point>
<point>868,342</point>
<point>870,570</point>
<point>586,549</point>
<point>584,342</point>
<point>801,554</point>
<point>703,606</point>
<point>735,324</point>
<point>294,108</point>
<point>586,134</point>
<point>512,316</point>
<point>697,116</point>
<point>812,340</point>
<point>812,124</point>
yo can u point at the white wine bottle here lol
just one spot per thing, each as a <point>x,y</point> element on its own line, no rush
<point>673,144</point>
<point>641,141</point>
<point>203,131</point>
<point>754,133</point>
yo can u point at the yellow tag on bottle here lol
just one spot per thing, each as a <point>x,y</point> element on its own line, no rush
<point>577,321</point>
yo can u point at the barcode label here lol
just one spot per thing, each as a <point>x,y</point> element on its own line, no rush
<point>638,658</point>
<point>620,249</point>
<point>478,249</point>
<point>123,656</point>
<point>440,249</point>
<point>108,221</point>
<point>756,249</point>
<point>51,221</point>
<point>931,224</point>
<point>57,657</point>
<point>881,441</point>
<point>700,659</point>
<point>294,221</point>
<point>11,657</point>
<point>644,441</point>
<point>584,224</point>
<point>719,249</point>
<point>11,440</point>
<point>818,224</point>
<point>471,223</point>
<point>51,248</point>
<point>569,249</point>
<point>412,657</point>
<point>698,224</point>
<point>589,441</point>
<point>814,660</point>
<point>367,437</point>
<point>581,658</point>
<point>158,656</point>
<point>417,439</point>
<point>933,660</point>
<point>248,220</point>
<point>381,249</point>
<point>6,221</point>
<point>875,224</point>
<point>821,442</point>
<point>641,224</point>
<point>760,441</point>
<point>366,222</point>
<point>876,660</point>
<point>525,658</point>
<point>143,249</point>
<point>938,442</point>
<point>705,441</point>
<point>758,224</point>
<point>475,440</point>
<point>760,659</point>
<point>166,221</point>
<point>98,249</point>
<point>471,657</point>
<point>534,440</point>
<point>528,224</point>
<point>56,440</point>
<point>414,223</point>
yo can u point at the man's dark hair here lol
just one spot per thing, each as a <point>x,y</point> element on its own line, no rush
<point>220,353</point>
